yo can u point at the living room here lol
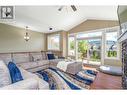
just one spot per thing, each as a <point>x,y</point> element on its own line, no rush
<point>39,44</point>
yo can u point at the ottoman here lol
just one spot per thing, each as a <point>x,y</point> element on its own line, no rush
<point>71,67</point>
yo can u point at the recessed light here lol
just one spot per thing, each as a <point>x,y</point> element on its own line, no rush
<point>50,28</point>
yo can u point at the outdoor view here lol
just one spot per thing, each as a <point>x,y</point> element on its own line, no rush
<point>71,49</point>
<point>89,46</point>
<point>89,49</point>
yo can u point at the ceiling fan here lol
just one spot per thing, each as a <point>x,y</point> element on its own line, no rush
<point>72,7</point>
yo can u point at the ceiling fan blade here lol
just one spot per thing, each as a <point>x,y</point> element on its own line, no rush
<point>73,8</point>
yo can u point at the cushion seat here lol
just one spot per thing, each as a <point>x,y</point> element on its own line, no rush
<point>54,62</point>
<point>31,65</point>
<point>28,65</point>
<point>113,70</point>
<point>43,62</point>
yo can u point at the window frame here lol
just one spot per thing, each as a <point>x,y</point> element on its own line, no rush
<point>103,38</point>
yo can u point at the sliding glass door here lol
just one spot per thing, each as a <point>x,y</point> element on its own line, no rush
<point>89,50</point>
<point>93,47</point>
<point>82,50</point>
<point>94,51</point>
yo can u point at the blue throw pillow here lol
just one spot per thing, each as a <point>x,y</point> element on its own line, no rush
<point>50,56</point>
<point>14,72</point>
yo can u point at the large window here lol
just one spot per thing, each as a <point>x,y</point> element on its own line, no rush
<point>54,42</point>
<point>89,47</point>
<point>111,45</point>
<point>94,46</point>
<point>71,45</point>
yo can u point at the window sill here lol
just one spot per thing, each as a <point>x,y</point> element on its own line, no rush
<point>112,58</point>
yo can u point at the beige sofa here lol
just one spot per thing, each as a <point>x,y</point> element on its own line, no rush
<point>30,61</point>
<point>30,81</point>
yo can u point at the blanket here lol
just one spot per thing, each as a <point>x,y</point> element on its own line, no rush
<point>63,65</point>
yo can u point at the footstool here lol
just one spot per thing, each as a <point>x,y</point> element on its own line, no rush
<point>71,67</point>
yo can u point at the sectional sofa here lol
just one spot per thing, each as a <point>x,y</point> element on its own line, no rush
<point>29,62</point>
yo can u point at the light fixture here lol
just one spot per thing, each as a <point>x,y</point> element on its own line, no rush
<point>26,37</point>
<point>50,29</point>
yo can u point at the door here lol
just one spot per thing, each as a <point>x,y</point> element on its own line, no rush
<point>89,50</point>
<point>94,51</point>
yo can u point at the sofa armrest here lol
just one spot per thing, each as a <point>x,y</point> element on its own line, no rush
<point>24,84</point>
<point>41,83</point>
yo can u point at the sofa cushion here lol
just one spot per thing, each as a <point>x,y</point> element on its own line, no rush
<point>28,65</point>
<point>50,56</point>
<point>54,62</point>
<point>21,57</point>
<point>43,62</point>
<point>6,57</point>
<point>14,72</point>
<point>36,56</point>
<point>31,65</point>
<point>4,75</point>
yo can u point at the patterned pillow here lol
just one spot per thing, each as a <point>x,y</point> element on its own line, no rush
<point>37,56</point>
<point>4,75</point>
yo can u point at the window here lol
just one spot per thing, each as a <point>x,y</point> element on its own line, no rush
<point>94,46</point>
<point>71,45</point>
<point>111,45</point>
<point>54,42</point>
<point>86,35</point>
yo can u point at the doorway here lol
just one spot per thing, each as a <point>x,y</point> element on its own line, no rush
<point>89,50</point>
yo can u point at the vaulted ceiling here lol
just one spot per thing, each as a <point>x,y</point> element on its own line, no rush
<point>40,18</point>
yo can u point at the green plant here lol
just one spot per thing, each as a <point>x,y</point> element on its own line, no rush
<point>112,53</point>
<point>82,48</point>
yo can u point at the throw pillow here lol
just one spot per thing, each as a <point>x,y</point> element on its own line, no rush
<point>14,72</point>
<point>50,56</point>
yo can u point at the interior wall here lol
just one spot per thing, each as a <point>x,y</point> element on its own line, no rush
<point>12,40</point>
<point>93,25</point>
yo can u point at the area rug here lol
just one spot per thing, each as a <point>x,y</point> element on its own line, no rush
<point>58,79</point>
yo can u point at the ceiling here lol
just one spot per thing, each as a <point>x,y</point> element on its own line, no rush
<point>40,18</point>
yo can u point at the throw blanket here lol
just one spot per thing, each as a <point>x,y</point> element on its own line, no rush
<point>14,72</point>
<point>62,65</point>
